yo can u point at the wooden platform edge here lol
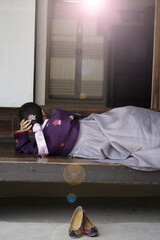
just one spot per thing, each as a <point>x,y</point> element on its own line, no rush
<point>28,168</point>
<point>73,172</point>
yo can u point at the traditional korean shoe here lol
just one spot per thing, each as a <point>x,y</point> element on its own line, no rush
<point>76,225</point>
<point>88,228</point>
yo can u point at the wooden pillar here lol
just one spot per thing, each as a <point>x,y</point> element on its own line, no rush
<point>155,103</point>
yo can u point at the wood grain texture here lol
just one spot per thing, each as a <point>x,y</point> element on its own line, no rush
<point>17,167</point>
<point>155,104</point>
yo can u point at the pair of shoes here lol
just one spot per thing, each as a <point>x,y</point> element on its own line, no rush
<point>81,225</point>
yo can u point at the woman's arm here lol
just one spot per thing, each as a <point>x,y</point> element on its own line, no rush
<point>23,143</point>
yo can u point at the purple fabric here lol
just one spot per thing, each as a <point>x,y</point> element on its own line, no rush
<point>61,133</point>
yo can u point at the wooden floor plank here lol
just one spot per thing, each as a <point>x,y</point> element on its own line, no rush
<point>17,167</point>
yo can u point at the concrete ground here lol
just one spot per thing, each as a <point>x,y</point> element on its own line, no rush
<point>48,218</point>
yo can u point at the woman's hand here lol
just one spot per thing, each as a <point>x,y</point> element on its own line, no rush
<point>25,125</point>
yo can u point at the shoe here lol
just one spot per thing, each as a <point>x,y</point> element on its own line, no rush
<point>76,225</point>
<point>88,228</point>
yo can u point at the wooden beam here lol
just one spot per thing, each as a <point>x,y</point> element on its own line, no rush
<point>16,167</point>
<point>155,103</point>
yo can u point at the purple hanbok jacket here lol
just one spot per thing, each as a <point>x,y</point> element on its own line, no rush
<point>60,132</point>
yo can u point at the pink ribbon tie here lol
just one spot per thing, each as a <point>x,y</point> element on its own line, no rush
<point>40,140</point>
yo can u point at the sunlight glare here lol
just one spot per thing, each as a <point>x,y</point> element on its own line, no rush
<point>93,5</point>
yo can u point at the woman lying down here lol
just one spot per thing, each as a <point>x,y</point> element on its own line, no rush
<point>126,135</point>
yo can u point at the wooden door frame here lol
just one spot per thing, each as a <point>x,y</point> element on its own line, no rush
<point>155,101</point>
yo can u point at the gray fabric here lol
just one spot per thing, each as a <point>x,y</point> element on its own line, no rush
<point>127,135</point>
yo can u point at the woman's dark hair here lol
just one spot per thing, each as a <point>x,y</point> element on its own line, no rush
<point>31,111</point>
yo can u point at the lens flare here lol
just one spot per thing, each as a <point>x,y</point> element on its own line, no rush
<point>74,174</point>
<point>71,197</point>
<point>93,6</point>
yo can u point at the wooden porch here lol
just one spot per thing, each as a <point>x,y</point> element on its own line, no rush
<point>22,175</point>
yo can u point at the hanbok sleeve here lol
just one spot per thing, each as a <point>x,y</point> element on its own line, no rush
<point>23,143</point>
